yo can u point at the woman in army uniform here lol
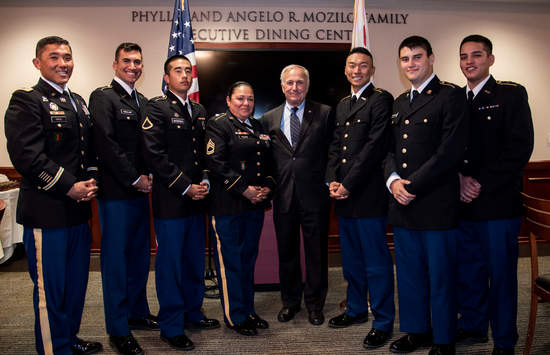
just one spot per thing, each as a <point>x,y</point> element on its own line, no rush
<point>238,156</point>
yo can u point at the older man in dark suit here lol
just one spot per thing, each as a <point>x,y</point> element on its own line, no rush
<point>300,131</point>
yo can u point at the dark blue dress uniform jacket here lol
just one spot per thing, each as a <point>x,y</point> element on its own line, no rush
<point>49,144</point>
<point>428,143</point>
<point>237,158</point>
<point>501,142</point>
<point>360,144</point>
<point>117,134</point>
<point>174,149</point>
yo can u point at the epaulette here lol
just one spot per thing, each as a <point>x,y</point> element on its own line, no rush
<point>509,83</point>
<point>379,90</point>
<point>446,83</point>
<point>159,98</point>
<point>406,93</point>
<point>105,87</point>
<point>345,98</point>
<point>25,89</point>
<point>220,115</point>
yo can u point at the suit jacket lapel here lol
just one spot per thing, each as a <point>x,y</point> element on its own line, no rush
<point>278,112</point>
<point>306,123</point>
<point>361,101</point>
<point>425,97</point>
<point>124,97</point>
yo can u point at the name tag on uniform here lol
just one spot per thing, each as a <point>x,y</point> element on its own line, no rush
<point>126,111</point>
<point>241,133</point>
<point>58,119</point>
<point>177,120</point>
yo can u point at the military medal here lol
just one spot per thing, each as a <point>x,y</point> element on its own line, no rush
<point>62,99</point>
<point>53,106</point>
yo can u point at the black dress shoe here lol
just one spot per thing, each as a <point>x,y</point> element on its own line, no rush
<point>86,347</point>
<point>179,342</point>
<point>345,320</point>
<point>203,324</point>
<point>499,351</point>
<point>148,323</point>
<point>246,328</point>
<point>466,336</point>
<point>287,313</point>
<point>316,317</point>
<point>126,345</point>
<point>410,342</point>
<point>258,322</point>
<point>376,338</point>
<point>442,349</point>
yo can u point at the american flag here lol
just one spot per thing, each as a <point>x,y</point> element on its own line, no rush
<point>181,42</point>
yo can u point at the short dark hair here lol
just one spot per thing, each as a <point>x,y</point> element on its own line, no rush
<point>127,47</point>
<point>236,85</point>
<point>416,41</point>
<point>486,42</point>
<point>171,59</point>
<point>361,50</point>
<point>50,40</point>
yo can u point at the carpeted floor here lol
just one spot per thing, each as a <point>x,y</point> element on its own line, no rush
<point>295,337</point>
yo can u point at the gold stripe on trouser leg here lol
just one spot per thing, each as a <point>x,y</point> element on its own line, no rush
<point>222,274</point>
<point>42,303</point>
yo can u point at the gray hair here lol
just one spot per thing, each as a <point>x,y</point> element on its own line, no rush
<point>294,66</point>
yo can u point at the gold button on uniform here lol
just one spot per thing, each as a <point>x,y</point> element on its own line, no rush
<point>82,138</point>
<point>81,125</point>
<point>82,152</point>
<point>346,135</point>
<point>258,163</point>
<point>345,148</point>
<point>196,163</point>
<point>405,136</point>
<point>179,126</point>
<point>344,161</point>
<point>407,121</point>
<point>127,117</point>
<point>194,139</point>
<point>488,118</point>
<point>404,165</point>
<point>425,120</point>
<point>259,153</point>
<point>59,125</point>
<point>404,150</point>
<point>258,174</point>
<point>257,142</point>
<point>347,123</point>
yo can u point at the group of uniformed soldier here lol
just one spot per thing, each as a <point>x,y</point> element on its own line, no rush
<point>450,158</point>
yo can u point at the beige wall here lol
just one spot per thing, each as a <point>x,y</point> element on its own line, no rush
<point>519,36</point>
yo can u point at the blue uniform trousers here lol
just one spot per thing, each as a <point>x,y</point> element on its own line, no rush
<point>368,268</point>
<point>487,278</point>
<point>235,240</point>
<point>179,272</point>
<point>125,259</point>
<point>426,280</point>
<point>59,261</point>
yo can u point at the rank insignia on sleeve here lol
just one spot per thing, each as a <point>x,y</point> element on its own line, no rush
<point>147,124</point>
<point>210,147</point>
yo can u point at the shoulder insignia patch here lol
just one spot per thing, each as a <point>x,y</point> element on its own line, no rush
<point>210,147</point>
<point>220,115</point>
<point>446,83</point>
<point>159,98</point>
<point>509,83</point>
<point>105,87</point>
<point>347,97</point>
<point>147,124</point>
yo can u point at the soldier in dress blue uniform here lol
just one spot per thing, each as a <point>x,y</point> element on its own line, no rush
<point>356,182</point>
<point>173,134</point>
<point>238,155</point>
<point>429,132</point>
<point>48,129</point>
<point>500,144</point>
<point>123,202</point>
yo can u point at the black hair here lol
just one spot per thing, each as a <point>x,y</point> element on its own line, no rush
<point>40,45</point>
<point>486,42</point>
<point>171,59</point>
<point>126,47</point>
<point>416,41</point>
